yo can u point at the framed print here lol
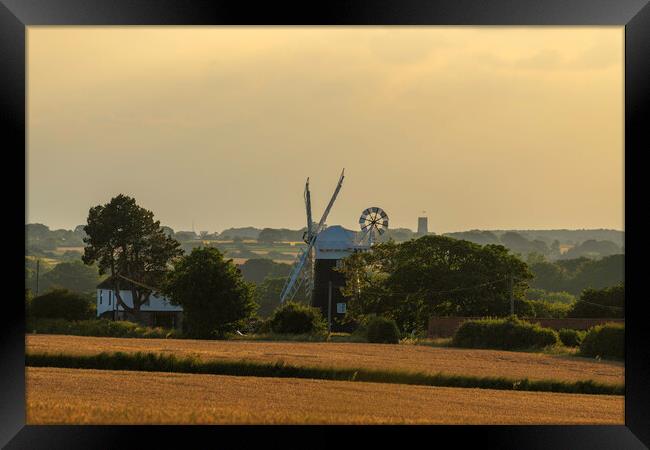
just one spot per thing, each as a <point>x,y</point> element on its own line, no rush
<point>410,214</point>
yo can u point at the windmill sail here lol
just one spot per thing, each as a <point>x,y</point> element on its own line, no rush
<point>308,272</point>
<point>303,265</point>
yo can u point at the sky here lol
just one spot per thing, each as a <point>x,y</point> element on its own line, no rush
<point>218,127</point>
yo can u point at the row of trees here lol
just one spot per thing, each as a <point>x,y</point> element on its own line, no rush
<point>441,276</point>
<point>542,245</point>
<point>408,281</point>
<point>589,243</point>
<point>575,275</point>
<point>72,275</point>
<point>434,275</point>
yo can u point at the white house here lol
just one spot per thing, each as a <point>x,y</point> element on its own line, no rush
<point>156,312</point>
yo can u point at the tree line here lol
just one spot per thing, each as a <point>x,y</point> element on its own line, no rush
<point>408,281</point>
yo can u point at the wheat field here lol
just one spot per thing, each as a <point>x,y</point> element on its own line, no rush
<point>414,358</point>
<point>76,396</point>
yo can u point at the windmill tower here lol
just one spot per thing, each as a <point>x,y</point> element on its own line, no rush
<point>303,269</point>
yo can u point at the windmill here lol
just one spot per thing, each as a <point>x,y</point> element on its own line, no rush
<point>303,269</point>
<point>373,222</point>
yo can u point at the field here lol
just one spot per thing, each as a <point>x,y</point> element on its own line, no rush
<point>413,358</point>
<point>74,396</point>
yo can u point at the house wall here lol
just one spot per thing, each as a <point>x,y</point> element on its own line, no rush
<point>106,302</point>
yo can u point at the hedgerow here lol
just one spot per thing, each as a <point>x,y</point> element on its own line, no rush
<point>505,334</point>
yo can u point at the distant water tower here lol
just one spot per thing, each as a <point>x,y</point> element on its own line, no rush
<point>423,225</point>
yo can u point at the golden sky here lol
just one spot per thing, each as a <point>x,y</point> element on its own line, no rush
<point>481,127</point>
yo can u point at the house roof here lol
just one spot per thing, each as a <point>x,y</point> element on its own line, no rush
<point>109,282</point>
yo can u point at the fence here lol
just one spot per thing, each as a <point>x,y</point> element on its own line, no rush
<point>447,326</point>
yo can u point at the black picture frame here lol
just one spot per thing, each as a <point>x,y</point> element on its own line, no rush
<point>634,15</point>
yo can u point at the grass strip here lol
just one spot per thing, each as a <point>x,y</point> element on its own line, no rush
<point>155,362</point>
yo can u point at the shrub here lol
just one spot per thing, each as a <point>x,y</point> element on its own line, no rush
<point>62,304</point>
<point>570,337</point>
<point>265,327</point>
<point>505,334</point>
<point>99,327</point>
<point>28,300</point>
<point>552,297</point>
<point>604,341</point>
<point>295,318</point>
<point>544,309</point>
<point>381,330</point>
<point>252,325</point>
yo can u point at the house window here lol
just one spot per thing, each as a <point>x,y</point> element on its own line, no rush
<point>110,296</point>
<point>341,308</point>
<point>100,297</point>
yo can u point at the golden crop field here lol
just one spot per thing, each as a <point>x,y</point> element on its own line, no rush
<point>413,358</point>
<point>76,396</point>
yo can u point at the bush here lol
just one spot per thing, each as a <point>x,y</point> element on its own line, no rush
<point>551,297</point>
<point>505,334</point>
<point>605,341</point>
<point>381,330</point>
<point>28,300</point>
<point>252,325</point>
<point>99,327</point>
<point>571,338</point>
<point>543,309</point>
<point>295,318</point>
<point>62,304</point>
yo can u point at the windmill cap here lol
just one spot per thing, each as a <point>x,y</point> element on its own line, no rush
<point>335,237</point>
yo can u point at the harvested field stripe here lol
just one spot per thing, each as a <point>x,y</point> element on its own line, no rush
<point>152,362</point>
<point>401,358</point>
<point>78,396</point>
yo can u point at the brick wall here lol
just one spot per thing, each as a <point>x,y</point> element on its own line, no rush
<point>447,326</point>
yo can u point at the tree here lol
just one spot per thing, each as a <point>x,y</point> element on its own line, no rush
<point>548,276</point>
<point>518,243</point>
<point>62,304</point>
<point>598,274</point>
<point>37,230</point>
<point>125,241</point>
<point>608,303</point>
<point>555,250</point>
<point>255,270</point>
<point>185,236</point>
<point>575,275</point>
<point>413,280</point>
<point>267,295</point>
<point>593,249</point>
<point>74,276</point>
<point>214,296</point>
<point>79,232</point>
<point>270,235</point>
<point>476,236</point>
<point>169,231</point>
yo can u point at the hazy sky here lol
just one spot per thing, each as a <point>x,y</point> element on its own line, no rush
<point>481,127</point>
